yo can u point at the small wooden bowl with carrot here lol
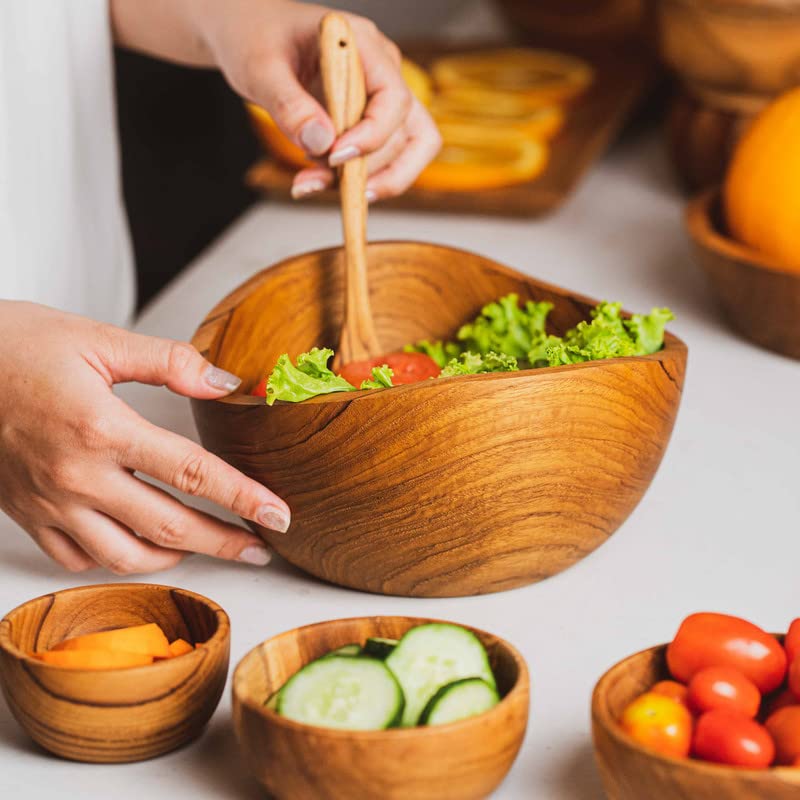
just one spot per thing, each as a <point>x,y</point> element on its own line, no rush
<point>351,708</point>
<point>114,673</point>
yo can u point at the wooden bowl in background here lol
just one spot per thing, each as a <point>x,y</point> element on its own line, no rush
<point>114,715</point>
<point>293,761</point>
<point>452,486</point>
<point>733,57</point>
<point>760,297</point>
<point>632,772</point>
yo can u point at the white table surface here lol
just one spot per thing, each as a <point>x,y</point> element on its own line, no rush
<point>718,529</point>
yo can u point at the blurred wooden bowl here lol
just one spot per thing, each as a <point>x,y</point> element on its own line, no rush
<point>451,486</point>
<point>465,760</point>
<point>632,772</point>
<point>118,715</point>
<point>760,297</point>
<point>733,57</point>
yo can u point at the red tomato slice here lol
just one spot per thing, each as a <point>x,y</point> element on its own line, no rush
<point>407,368</point>
<point>719,640</point>
<point>723,687</point>
<point>261,388</point>
<point>729,737</point>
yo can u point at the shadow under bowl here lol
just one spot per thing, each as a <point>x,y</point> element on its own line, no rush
<point>466,759</point>
<point>119,715</point>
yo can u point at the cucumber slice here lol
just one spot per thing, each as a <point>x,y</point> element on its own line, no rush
<point>467,697</point>
<point>429,656</point>
<point>380,648</point>
<point>343,692</point>
<point>345,650</point>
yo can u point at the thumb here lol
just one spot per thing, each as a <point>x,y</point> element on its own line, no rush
<point>294,110</point>
<point>164,362</point>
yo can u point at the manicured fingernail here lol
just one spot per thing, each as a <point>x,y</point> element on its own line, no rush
<point>259,556</point>
<point>315,138</point>
<point>344,154</point>
<point>273,518</point>
<point>220,379</point>
<point>372,195</point>
<point>306,188</point>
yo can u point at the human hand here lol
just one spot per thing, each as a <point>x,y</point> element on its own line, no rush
<point>269,53</point>
<point>69,449</point>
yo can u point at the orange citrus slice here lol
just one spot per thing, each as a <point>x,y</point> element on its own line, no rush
<point>540,123</point>
<point>543,75</point>
<point>275,140</point>
<point>418,80</point>
<point>473,158</point>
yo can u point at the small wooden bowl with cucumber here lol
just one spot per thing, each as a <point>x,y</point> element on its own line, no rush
<point>381,708</point>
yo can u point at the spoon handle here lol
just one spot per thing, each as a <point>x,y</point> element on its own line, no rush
<point>345,92</point>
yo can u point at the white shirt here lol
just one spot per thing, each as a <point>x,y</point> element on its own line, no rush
<point>63,231</point>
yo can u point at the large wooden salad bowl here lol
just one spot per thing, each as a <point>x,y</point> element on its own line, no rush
<point>454,486</point>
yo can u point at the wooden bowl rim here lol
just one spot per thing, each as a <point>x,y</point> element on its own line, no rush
<point>672,343</point>
<point>601,714</point>
<point>218,638</point>
<point>707,236</point>
<point>521,684</point>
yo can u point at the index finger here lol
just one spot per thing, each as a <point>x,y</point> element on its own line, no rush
<point>388,104</point>
<point>178,462</point>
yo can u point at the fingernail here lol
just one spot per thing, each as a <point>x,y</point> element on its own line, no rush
<point>315,138</point>
<point>220,379</point>
<point>372,195</point>
<point>272,518</point>
<point>254,554</point>
<point>344,154</point>
<point>305,188</point>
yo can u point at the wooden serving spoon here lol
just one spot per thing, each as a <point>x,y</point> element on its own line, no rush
<point>346,95</point>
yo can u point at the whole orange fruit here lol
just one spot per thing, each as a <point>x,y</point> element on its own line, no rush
<point>762,188</point>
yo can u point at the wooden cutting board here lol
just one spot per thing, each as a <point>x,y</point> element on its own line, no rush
<point>622,74</point>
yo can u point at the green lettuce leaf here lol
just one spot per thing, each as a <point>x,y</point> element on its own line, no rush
<point>381,378</point>
<point>311,377</point>
<point>505,327</point>
<point>648,329</point>
<point>440,352</point>
<point>474,364</point>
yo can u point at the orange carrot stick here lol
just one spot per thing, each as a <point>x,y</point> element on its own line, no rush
<point>180,647</point>
<point>146,640</point>
<point>94,659</point>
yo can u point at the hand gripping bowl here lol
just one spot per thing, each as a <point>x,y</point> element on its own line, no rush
<point>450,487</point>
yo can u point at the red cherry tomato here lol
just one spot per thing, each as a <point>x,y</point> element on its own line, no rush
<point>261,388</point>
<point>406,368</point>
<point>718,640</point>
<point>674,690</point>
<point>791,644</point>
<point>659,723</point>
<point>784,727</point>
<point>794,677</point>
<point>729,737</point>
<point>723,687</point>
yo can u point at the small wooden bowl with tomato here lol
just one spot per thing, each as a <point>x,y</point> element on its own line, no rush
<point>445,487</point>
<point>646,724</point>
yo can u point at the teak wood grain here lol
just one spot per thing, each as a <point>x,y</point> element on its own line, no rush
<point>114,715</point>
<point>632,772</point>
<point>465,760</point>
<point>346,98</point>
<point>453,486</point>
<point>760,297</point>
<point>733,57</point>
<point>622,73</point>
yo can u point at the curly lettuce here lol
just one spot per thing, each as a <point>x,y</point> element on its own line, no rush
<point>475,364</point>
<point>381,378</point>
<point>311,377</point>
<point>441,352</point>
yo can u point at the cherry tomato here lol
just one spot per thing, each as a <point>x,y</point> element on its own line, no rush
<point>729,737</point>
<point>659,723</point>
<point>407,368</point>
<point>718,640</point>
<point>673,689</point>
<point>261,388</point>
<point>723,687</point>
<point>791,644</point>
<point>784,727</point>
<point>794,677</point>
